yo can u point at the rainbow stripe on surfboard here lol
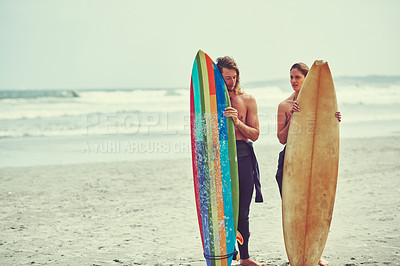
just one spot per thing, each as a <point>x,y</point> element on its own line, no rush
<point>214,159</point>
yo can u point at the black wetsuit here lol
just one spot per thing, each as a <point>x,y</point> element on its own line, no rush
<point>249,177</point>
<point>279,171</point>
<point>281,160</point>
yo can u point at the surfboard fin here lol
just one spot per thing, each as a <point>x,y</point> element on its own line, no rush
<point>239,237</point>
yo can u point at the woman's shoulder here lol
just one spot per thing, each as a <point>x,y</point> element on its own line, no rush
<point>286,102</point>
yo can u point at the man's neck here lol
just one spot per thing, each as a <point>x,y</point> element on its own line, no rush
<point>232,94</point>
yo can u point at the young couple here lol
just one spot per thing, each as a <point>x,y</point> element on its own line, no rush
<point>245,118</point>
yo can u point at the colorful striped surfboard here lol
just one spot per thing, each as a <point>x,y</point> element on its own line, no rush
<point>214,159</point>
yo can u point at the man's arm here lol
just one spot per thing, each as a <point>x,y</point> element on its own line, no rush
<point>250,128</point>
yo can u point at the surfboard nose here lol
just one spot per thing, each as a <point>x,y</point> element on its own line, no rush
<point>320,62</point>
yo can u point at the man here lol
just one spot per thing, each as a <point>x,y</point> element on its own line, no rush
<point>245,118</point>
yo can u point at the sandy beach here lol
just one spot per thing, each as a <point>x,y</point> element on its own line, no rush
<point>143,212</point>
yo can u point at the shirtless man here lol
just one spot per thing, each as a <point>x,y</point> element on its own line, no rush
<point>245,118</point>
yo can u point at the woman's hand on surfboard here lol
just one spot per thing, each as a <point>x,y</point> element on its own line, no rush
<point>338,116</point>
<point>295,107</point>
<point>233,113</point>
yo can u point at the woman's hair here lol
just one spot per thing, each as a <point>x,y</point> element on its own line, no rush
<point>230,63</point>
<point>303,68</point>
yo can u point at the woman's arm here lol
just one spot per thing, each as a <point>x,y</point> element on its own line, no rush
<point>284,117</point>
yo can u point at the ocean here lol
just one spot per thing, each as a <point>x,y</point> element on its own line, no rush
<point>40,127</point>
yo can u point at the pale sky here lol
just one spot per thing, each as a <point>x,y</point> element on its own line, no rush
<point>69,44</point>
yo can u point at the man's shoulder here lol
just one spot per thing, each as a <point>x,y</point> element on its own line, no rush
<point>247,97</point>
<point>248,100</point>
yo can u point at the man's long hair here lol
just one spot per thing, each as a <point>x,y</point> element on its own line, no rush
<point>230,63</point>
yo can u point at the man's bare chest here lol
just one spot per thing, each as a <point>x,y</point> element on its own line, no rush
<point>240,106</point>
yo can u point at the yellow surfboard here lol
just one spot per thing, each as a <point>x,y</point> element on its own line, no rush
<point>311,168</point>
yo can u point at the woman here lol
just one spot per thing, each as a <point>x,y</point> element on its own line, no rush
<point>298,73</point>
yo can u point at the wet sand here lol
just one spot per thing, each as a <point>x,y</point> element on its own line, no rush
<point>143,212</point>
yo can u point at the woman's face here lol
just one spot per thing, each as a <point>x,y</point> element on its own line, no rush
<point>296,79</point>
